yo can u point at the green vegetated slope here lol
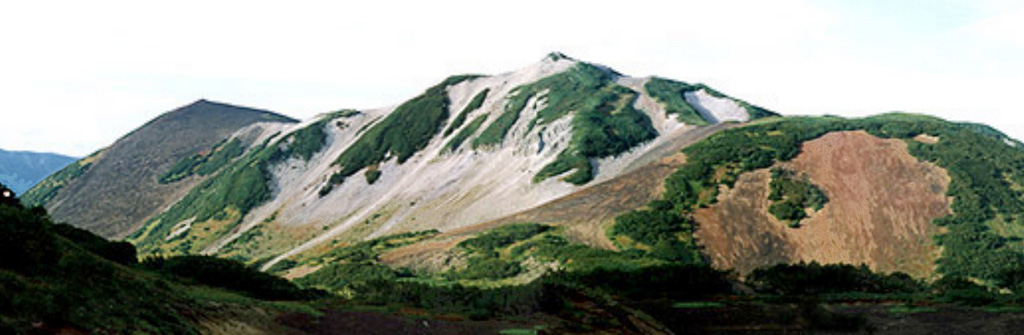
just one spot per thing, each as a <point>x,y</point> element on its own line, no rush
<point>986,187</point>
<point>204,163</point>
<point>504,274</point>
<point>58,279</point>
<point>407,130</point>
<point>219,203</point>
<point>604,120</point>
<point>46,189</point>
<point>672,94</point>
<point>524,268</point>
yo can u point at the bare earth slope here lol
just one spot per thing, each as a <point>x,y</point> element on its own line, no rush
<point>881,205</point>
<point>120,189</point>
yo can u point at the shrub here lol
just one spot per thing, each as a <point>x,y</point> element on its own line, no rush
<point>407,130</point>
<point>119,252</point>
<point>227,274</point>
<point>810,279</point>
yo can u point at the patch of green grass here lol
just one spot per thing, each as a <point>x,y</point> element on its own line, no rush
<point>518,332</point>
<point>204,163</point>
<point>503,236</point>
<point>44,191</point>
<point>1003,309</point>
<point>697,304</point>
<point>672,94</point>
<point>905,309</point>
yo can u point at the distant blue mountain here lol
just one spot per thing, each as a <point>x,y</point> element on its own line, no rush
<point>20,170</point>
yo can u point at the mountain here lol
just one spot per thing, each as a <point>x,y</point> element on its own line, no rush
<point>20,170</point>
<point>659,167</point>
<point>113,191</point>
<point>570,198</point>
<point>466,151</point>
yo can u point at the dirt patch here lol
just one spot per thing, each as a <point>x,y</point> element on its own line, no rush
<point>882,202</point>
<point>301,271</point>
<point>927,139</point>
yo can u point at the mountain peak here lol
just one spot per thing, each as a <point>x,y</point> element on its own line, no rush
<point>555,56</point>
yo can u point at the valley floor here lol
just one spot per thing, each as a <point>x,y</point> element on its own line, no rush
<point>725,318</point>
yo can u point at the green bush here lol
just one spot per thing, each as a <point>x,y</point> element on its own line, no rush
<point>962,291</point>
<point>27,244</point>
<point>792,196</point>
<point>50,279</point>
<point>672,95</point>
<point>372,175</point>
<point>811,279</point>
<point>118,252</point>
<point>473,105</point>
<point>667,281</point>
<point>407,130</point>
<point>503,236</point>
<point>204,164</point>
<point>227,274</point>
<point>465,133</point>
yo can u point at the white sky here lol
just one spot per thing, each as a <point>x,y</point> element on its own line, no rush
<point>76,75</point>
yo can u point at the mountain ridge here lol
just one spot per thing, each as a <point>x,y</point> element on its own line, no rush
<point>538,133</point>
<point>21,170</point>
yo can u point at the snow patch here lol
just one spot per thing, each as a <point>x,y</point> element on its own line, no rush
<point>179,229</point>
<point>715,109</point>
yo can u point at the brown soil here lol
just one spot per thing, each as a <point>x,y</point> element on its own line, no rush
<point>882,202</point>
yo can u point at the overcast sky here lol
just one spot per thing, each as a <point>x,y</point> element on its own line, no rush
<point>76,75</point>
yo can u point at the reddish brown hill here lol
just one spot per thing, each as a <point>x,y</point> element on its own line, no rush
<point>881,205</point>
